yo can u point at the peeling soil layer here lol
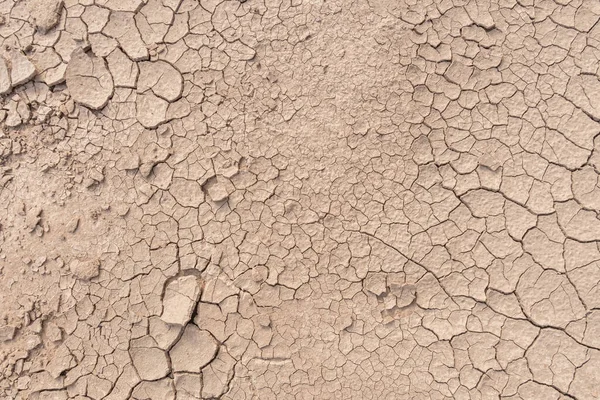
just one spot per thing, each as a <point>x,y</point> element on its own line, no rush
<point>299,199</point>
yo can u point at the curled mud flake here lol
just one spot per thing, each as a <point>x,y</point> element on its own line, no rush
<point>18,113</point>
<point>5,83</point>
<point>88,80</point>
<point>72,225</point>
<point>179,300</point>
<point>7,333</point>
<point>21,69</point>
<point>85,269</point>
<point>218,188</point>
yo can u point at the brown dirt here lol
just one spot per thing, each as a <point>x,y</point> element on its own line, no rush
<point>299,199</point>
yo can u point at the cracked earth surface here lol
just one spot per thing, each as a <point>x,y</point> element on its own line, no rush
<point>299,199</point>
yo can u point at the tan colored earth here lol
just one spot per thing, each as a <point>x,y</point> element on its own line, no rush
<point>299,199</point>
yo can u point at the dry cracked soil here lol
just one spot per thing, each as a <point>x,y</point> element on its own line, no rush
<point>299,199</point>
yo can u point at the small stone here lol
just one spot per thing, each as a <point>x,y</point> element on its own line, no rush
<point>89,80</point>
<point>72,225</point>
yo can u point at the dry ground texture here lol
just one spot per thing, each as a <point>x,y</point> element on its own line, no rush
<point>299,199</point>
